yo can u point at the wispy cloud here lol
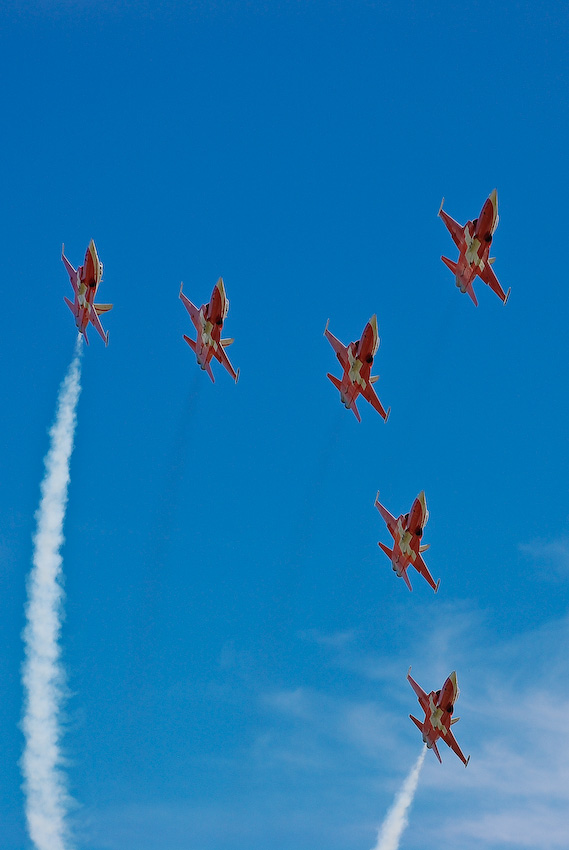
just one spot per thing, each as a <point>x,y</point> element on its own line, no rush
<point>47,799</point>
<point>552,556</point>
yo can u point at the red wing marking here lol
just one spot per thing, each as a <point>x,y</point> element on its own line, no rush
<point>422,568</point>
<point>454,228</point>
<point>370,395</point>
<point>451,741</point>
<point>488,276</point>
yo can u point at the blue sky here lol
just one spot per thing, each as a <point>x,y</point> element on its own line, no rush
<point>235,642</point>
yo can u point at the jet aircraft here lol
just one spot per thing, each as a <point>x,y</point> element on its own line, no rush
<point>85,282</point>
<point>407,532</point>
<point>438,707</point>
<point>356,360</point>
<point>473,242</point>
<point>208,321</point>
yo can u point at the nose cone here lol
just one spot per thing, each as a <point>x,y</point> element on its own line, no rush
<point>373,325</point>
<point>493,198</point>
<point>423,502</point>
<point>223,297</point>
<point>454,683</point>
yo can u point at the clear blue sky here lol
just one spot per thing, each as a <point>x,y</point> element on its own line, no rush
<point>235,642</point>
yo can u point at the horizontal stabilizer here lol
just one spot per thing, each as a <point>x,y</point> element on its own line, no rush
<point>454,720</point>
<point>373,379</point>
<point>210,373</point>
<point>334,380</point>
<point>226,342</point>
<point>102,308</point>
<point>190,342</point>
<point>417,723</point>
<point>450,264</point>
<point>436,752</point>
<point>69,304</point>
<point>424,547</point>
<point>386,549</point>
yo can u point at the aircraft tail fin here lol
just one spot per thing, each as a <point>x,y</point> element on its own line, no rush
<point>190,342</point>
<point>470,291</point>
<point>102,308</point>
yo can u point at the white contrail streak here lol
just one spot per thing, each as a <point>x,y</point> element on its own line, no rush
<point>396,820</point>
<point>43,678</point>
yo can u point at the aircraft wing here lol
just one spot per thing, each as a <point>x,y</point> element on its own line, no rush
<point>454,228</point>
<point>96,322</point>
<point>488,276</point>
<point>220,354</point>
<point>388,518</point>
<point>451,741</point>
<point>421,695</point>
<point>422,568</point>
<point>370,395</point>
<point>70,270</point>
<point>340,349</point>
<point>191,308</point>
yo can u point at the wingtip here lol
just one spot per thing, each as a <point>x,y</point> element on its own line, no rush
<point>181,287</point>
<point>467,760</point>
<point>237,375</point>
<point>441,206</point>
<point>376,498</point>
<point>62,250</point>
<point>408,674</point>
<point>107,339</point>
<point>326,328</point>
<point>507,296</point>
<point>387,415</point>
<point>438,585</point>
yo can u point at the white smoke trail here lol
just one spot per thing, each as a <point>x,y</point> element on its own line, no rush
<point>396,820</point>
<point>43,678</point>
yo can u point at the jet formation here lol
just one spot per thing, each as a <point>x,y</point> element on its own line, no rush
<point>439,708</point>
<point>473,241</point>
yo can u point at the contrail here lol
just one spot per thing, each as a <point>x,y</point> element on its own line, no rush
<point>396,820</point>
<point>43,677</point>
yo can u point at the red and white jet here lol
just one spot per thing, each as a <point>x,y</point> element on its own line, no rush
<point>438,707</point>
<point>208,321</point>
<point>473,242</point>
<point>85,282</point>
<point>407,532</point>
<point>356,360</point>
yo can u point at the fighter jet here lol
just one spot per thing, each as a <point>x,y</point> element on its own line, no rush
<point>438,707</point>
<point>473,242</point>
<point>356,360</point>
<point>407,532</point>
<point>208,321</point>
<point>85,282</point>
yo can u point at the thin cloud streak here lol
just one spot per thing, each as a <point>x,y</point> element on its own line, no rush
<point>47,799</point>
<point>397,818</point>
